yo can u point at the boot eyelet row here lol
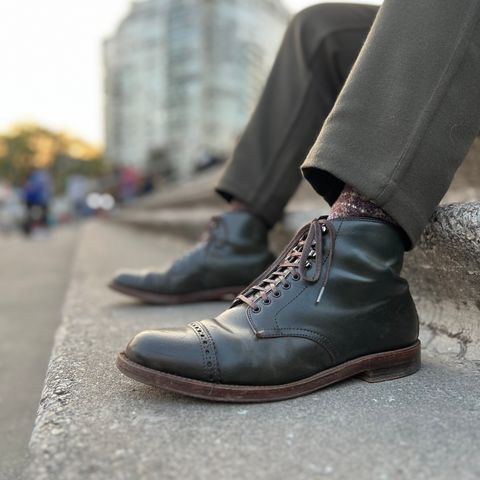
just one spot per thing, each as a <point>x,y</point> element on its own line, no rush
<point>256,309</point>
<point>277,294</point>
<point>296,277</point>
<point>286,285</point>
<point>267,301</point>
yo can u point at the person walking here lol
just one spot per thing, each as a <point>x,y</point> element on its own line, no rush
<point>37,192</point>
<point>377,108</point>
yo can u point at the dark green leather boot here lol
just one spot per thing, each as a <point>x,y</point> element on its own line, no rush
<point>234,253</point>
<point>332,306</point>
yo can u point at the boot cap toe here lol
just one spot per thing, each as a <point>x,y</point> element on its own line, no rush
<point>177,351</point>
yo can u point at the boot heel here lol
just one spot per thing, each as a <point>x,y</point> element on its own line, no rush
<point>392,365</point>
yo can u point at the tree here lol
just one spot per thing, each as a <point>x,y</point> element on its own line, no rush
<point>28,145</point>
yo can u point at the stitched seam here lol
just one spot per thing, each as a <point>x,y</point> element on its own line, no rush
<point>251,322</point>
<point>212,344</point>
<point>287,304</point>
<point>213,370</point>
<point>205,369</point>
<point>310,335</point>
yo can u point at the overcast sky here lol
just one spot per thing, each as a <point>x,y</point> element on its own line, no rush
<point>50,61</point>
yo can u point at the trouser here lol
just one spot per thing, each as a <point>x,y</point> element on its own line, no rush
<point>395,126</point>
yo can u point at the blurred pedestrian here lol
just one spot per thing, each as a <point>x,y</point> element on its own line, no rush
<point>76,190</point>
<point>37,193</point>
<point>129,183</point>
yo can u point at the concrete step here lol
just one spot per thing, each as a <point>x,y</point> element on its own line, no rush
<point>34,277</point>
<point>94,423</point>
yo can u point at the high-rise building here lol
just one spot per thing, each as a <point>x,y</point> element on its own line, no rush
<point>183,76</point>
<point>135,60</point>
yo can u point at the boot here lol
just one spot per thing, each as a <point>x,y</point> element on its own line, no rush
<point>234,253</point>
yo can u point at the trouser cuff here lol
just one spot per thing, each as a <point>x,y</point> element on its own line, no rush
<point>229,191</point>
<point>398,205</point>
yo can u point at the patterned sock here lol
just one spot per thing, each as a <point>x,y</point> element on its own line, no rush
<point>350,203</point>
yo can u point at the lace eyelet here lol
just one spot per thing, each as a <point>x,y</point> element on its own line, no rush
<point>267,301</point>
<point>277,294</point>
<point>286,285</point>
<point>256,309</point>
<point>296,277</point>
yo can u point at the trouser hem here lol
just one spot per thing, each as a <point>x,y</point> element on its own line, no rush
<point>408,216</point>
<point>229,191</point>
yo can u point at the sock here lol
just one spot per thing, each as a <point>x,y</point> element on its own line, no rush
<point>351,203</point>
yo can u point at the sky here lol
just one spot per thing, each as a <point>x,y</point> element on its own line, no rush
<point>50,61</point>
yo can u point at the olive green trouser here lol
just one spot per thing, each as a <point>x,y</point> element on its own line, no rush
<point>396,126</point>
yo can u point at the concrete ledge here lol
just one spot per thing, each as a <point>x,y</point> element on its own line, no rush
<point>196,191</point>
<point>186,222</point>
<point>444,273</point>
<point>94,423</point>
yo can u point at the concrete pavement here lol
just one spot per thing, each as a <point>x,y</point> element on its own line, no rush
<point>33,279</point>
<point>95,423</point>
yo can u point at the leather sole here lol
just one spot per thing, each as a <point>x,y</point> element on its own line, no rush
<point>224,293</point>
<point>377,367</point>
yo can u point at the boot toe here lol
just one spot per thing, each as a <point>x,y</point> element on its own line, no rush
<point>137,280</point>
<point>175,351</point>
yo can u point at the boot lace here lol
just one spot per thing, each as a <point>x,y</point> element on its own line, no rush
<point>305,250</point>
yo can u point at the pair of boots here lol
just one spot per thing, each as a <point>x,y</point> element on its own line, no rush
<point>332,306</point>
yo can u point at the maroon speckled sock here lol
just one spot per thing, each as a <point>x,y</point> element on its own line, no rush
<point>350,203</point>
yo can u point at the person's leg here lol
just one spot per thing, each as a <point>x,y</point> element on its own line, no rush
<point>409,112</point>
<point>317,53</point>
<point>28,222</point>
<point>44,215</point>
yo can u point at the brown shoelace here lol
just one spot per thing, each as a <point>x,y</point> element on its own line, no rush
<point>297,259</point>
